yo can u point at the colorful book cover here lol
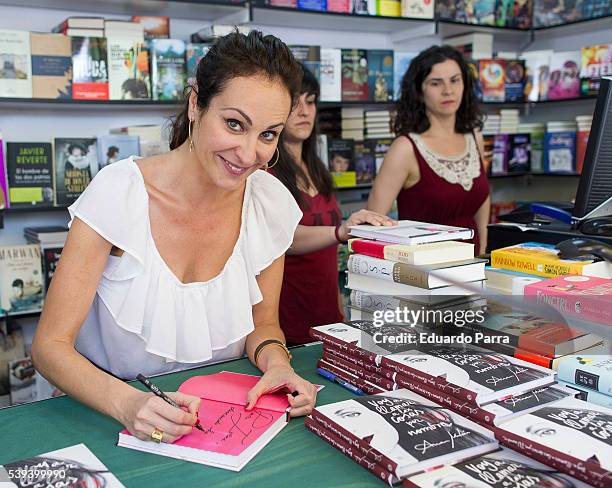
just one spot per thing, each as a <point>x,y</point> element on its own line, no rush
<point>499,160</point>
<point>401,62</point>
<point>319,5</point>
<point>596,8</point>
<point>381,146</point>
<point>15,64</point>
<point>168,69</point>
<point>89,68</point>
<point>365,162</point>
<point>560,152</point>
<point>389,8</point>
<point>519,159</point>
<point>564,78</point>
<point>283,3</point>
<point>193,54</point>
<point>481,12</point>
<point>537,72</point>
<point>155,27</point>
<point>115,147</point>
<point>341,156</point>
<point>446,9</point>
<point>596,62</point>
<point>51,257</point>
<point>331,75</point>
<point>514,84</point>
<point>30,174</point>
<point>128,69</point>
<point>492,76</point>
<point>310,57</point>
<point>76,163</point>
<point>380,75</point>
<point>340,6</point>
<point>51,65</point>
<point>586,297</point>
<point>4,193</point>
<point>354,75</point>
<point>21,282</point>
<point>514,13</point>
<point>418,9</point>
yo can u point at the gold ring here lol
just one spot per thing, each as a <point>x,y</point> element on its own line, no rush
<point>157,435</point>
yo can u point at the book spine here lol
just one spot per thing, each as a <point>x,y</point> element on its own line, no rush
<point>349,348</point>
<point>348,451</point>
<point>352,440</point>
<point>435,382</point>
<point>591,473</point>
<point>363,385</point>
<point>367,248</point>
<point>599,381</point>
<point>337,353</point>
<point>443,399</point>
<point>369,376</point>
<point>548,268</point>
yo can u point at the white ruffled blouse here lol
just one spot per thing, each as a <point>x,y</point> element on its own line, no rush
<point>143,318</point>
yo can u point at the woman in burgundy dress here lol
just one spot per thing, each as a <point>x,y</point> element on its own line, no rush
<point>434,167</point>
<point>310,294</point>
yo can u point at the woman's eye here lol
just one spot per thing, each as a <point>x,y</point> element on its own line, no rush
<point>269,136</point>
<point>234,124</point>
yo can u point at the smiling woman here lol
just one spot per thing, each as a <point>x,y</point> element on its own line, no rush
<point>176,260</point>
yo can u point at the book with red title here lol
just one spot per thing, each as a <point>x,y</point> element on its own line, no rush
<point>418,254</point>
<point>586,297</point>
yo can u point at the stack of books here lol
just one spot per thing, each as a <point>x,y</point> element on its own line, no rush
<point>509,120</point>
<point>416,265</point>
<point>377,124</point>
<point>590,375</point>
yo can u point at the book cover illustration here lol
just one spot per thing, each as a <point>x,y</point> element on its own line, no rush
<point>514,83</point>
<point>519,159</point>
<point>22,379</point>
<point>310,57</point>
<point>76,163</point>
<point>51,65</point>
<point>560,152</point>
<point>115,147</point>
<point>128,65</point>
<point>401,62</point>
<point>72,466</point>
<point>15,64</point>
<point>446,9</point>
<point>380,75</point>
<point>89,68</point>
<point>12,346</point>
<point>596,62</point>
<point>537,71</point>
<point>564,78</point>
<point>21,282</point>
<point>30,174</point>
<point>51,257</point>
<point>4,191</point>
<point>365,163</point>
<point>481,12</point>
<point>492,76</point>
<point>514,13</point>
<point>418,9</point>
<point>168,69</point>
<point>354,75</point>
<point>155,27</point>
<point>193,54</point>
<point>499,159</point>
<point>341,157</point>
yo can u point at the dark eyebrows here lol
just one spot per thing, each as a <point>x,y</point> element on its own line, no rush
<point>248,119</point>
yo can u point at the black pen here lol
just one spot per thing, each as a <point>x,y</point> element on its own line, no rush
<point>156,391</point>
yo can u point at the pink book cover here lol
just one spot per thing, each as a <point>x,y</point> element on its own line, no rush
<point>3,185</point>
<point>583,296</point>
<point>343,6</point>
<point>229,429</point>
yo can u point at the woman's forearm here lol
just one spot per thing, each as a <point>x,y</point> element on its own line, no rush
<point>64,367</point>
<point>311,238</point>
<point>482,221</point>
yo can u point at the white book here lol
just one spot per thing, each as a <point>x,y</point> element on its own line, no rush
<point>352,112</point>
<point>331,75</point>
<point>121,49</point>
<point>412,232</point>
<point>418,9</point>
<point>15,64</point>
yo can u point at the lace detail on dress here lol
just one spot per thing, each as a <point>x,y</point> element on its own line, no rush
<point>463,169</point>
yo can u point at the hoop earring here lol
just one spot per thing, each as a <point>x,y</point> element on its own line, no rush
<point>190,138</point>
<point>275,161</point>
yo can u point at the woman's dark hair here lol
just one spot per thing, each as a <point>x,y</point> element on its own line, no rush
<point>411,115</point>
<point>237,55</point>
<point>289,171</point>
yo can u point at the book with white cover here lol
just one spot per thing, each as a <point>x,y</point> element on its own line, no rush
<point>412,232</point>
<point>410,432</point>
<point>331,75</point>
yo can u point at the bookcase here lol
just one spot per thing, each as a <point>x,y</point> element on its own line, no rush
<point>26,119</point>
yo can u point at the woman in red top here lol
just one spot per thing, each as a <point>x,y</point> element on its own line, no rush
<point>310,295</point>
<point>434,168</point>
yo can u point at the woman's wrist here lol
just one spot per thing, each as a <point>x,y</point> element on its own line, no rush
<point>341,234</point>
<point>272,356</point>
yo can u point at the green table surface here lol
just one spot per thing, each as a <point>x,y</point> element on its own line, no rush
<point>294,458</point>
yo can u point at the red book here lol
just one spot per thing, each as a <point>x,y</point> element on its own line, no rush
<point>584,296</point>
<point>357,361</point>
<point>582,138</point>
<point>419,254</point>
<point>369,376</point>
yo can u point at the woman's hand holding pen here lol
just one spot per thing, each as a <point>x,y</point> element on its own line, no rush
<point>283,376</point>
<point>363,217</point>
<point>145,413</point>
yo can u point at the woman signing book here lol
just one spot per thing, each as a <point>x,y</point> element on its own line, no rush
<point>176,260</point>
<point>434,167</point>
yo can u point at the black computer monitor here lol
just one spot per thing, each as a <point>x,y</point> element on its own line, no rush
<point>595,186</point>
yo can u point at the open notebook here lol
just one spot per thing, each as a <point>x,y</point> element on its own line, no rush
<point>232,435</point>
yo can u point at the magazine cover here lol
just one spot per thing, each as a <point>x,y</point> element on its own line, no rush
<point>76,163</point>
<point>564,78</point>
<point>21,281</point>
